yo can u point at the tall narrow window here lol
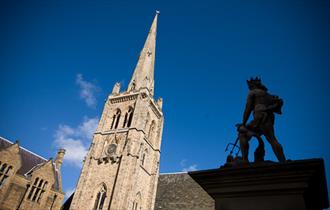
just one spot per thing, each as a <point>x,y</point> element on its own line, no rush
<point>42,191</point>
<point>33,188</point>
<point>5,172</point>
<point>128,118</point>
<point>3,167</point>
<point>100,197</point>
<point>125,120</point>
<point>37,190</point>
<point>115,119</point>
<point>137,202</point>
<point>144,157</point>
<point>97,201</point>
<point>151,130</point>
<point>135,205</point>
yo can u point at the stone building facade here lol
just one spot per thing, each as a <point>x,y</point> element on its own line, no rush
<point>28,181</point>
<point>121,168</point>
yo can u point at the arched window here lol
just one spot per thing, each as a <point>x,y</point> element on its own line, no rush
<point>100,197</point>
<point>115,119</point>
<point>5,172</point>
<point>128,118</point>
<point>37,190</point>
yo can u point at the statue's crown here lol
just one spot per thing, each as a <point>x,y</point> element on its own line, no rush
<point>255,80</point>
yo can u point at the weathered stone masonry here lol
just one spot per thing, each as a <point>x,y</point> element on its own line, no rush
<point>28,181</point>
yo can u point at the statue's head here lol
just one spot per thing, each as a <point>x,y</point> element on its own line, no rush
<point>255,83</point>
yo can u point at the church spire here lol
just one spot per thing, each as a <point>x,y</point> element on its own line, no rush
<point>143,76</point>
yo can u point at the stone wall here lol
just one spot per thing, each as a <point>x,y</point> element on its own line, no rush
<point>178,191</point>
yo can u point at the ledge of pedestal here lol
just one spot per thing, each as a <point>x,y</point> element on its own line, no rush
<point>292,185</point>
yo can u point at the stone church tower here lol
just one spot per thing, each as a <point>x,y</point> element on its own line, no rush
<point>121,169</point>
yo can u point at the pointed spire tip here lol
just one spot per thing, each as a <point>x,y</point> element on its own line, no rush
<point>143,76</point>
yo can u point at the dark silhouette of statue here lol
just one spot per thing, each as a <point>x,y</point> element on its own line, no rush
<point>263,106</point>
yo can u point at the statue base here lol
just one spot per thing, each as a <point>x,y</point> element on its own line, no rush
<point>294,185</point>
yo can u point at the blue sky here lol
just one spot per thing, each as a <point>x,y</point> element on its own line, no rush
<point>60,59</point>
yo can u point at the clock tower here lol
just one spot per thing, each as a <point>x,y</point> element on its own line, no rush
<point>121,168</point>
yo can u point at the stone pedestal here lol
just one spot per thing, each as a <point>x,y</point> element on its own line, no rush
<point>296,185</point>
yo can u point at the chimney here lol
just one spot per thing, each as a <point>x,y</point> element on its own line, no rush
<point>59,158</point>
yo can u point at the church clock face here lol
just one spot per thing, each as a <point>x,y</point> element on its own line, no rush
<point>111,149</point>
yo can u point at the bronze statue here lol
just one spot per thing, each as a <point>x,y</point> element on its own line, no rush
<point>263,105</point>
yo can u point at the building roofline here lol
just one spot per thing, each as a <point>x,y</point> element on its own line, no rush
<point>23,148</point>
<point>170,173</point>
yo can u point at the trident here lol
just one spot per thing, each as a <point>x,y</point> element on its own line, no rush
<point>233,147</point>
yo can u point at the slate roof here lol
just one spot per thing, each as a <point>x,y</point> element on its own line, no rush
<point>178,191</point>
<point>29,159</point>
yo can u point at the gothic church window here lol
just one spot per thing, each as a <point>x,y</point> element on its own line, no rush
<point>5,171</point>
<point>37,190</point>
<point>115,119</point>
<point>100,197</point>
<point>128,118</point>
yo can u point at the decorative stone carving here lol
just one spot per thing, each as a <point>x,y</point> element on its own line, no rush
<point>160,103</point>
<point>133,85</point>
<point>116,89</point>
<point>120,99</point>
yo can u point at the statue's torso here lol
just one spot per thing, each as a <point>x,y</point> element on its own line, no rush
<point>261,99</point>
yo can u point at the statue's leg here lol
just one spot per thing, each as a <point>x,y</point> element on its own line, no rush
<point>259,154</point>
<point>244,144</point>
<point>276,146</point>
